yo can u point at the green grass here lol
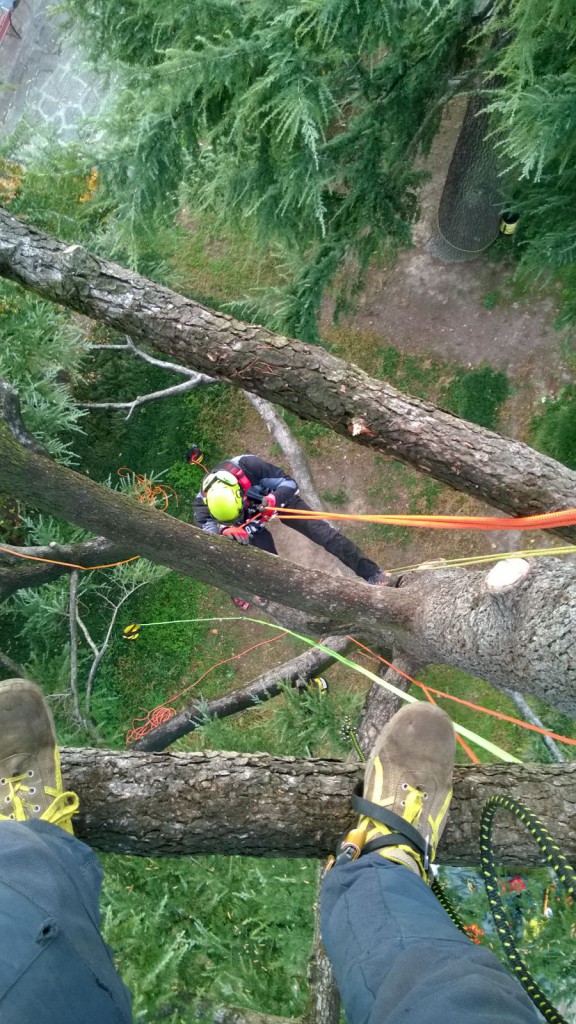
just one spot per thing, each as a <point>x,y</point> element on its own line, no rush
<point>521,742</point>
<point>234,930</point>
<point>308,433</point>
<point>490,300</point>
<point>477,395</point>
<point>394,479</point>
<point>554,430</point>
<point>337,498</point>
<point>216,269</point>
<point>195,933</point>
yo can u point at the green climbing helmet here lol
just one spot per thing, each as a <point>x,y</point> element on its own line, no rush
<point>223,496</point>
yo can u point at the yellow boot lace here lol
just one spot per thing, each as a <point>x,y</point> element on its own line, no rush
<point>20,796</point>
<point>412,806</point>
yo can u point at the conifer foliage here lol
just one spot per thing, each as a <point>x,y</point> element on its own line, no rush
<point>534,111</point>
<point>301,124</point>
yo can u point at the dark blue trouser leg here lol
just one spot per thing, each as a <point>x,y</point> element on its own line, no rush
<point>399,959</point>
<point>54,965</point>
<point>321,532</point>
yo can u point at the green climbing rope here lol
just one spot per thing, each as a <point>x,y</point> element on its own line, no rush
<point>552,854</point>
<point>556,860</point>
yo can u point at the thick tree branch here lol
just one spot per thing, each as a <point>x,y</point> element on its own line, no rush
<point>521,639</point>
<point>17,572</point>
<point>179,804</point>
<point>312,383</point>
<point>259,690</point>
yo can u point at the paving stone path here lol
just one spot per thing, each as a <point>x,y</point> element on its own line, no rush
<point>43,75</point>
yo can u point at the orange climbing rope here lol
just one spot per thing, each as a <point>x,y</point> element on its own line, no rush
<point>163,713</point>
<point>467,703</point>
<point>147,492</point>
<point>544,521</point>
<point>69,565</point>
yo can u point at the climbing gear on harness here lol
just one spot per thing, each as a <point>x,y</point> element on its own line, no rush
<point>407,788</point>
<point>223,496</point>
<point>30,779</point>
<point>350,848</point>
<point>237,533</point>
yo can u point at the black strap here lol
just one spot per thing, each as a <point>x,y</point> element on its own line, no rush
<point>393,821</point>
<point>394,840</point>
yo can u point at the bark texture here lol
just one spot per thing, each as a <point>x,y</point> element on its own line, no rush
<point>303,378</point>
<point>521,639</point>
<point>163,805</point>
<point>261,689</point>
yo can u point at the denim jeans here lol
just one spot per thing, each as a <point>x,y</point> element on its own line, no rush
<point>55,968</point>
<point>399,959</point>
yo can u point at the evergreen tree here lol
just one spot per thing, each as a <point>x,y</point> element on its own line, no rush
<point>300,126</point>
<point>534,111</point>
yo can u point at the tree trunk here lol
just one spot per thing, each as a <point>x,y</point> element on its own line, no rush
<point>381,705</point>
<point>519,638</point>
<point>303,378</point>
<point>174,805</point>
<point>290,447</point>
<point>256,692</point>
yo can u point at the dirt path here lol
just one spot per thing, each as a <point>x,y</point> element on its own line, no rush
<point>470,312</point>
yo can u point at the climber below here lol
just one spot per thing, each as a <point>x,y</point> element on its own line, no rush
<point>245,486</point>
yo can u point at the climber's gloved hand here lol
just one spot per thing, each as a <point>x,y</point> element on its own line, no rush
<point>268,508</point>
<point>237,533</point>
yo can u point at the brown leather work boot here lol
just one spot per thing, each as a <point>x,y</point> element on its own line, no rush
<point>408,787</point>
<point>30,779</point>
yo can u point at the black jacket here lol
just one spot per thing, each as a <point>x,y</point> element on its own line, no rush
<point>264,478</point>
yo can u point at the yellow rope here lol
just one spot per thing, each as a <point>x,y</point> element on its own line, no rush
<point>444,563</point>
